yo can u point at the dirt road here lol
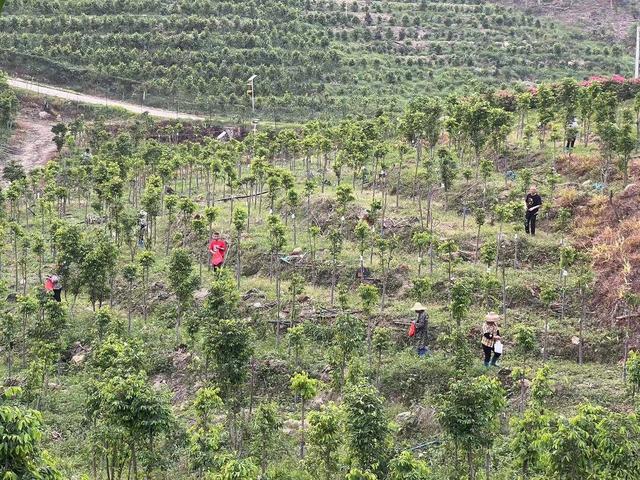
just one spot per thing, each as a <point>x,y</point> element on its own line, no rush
<point>31,143</point>
<point>79,97</point>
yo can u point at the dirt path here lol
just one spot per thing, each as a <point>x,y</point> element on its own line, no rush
<point>52,91</point>
<point>31,143</point>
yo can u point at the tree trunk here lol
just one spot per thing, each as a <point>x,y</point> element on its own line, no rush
<point>302,430</point>
<point>472,469</point>
<point>581,326</point>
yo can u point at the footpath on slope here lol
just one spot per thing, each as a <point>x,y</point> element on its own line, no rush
<point>56,92</point>
<point>32,141</point>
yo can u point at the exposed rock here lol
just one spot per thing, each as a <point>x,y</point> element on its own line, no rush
<point>291,426</point>
<point>159,384</point>
<point>631,190</point>
<point>404,417</point>
<point>201,294</point>
<point>44,115</point>
<point>325,375</point>
<point>318,402</point>
<point>253,294</point>
<point>78,359</point>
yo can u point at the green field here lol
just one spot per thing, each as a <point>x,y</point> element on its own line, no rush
<point>155,366</point>
<point>314,59</point>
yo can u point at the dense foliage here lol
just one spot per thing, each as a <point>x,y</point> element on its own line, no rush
<point>293,361</point>
<point>312,57</point>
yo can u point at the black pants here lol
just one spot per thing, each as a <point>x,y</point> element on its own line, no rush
<point>487,355</point>
<point>530,223</point>
<point>56,294</point>
<point>571,142</point>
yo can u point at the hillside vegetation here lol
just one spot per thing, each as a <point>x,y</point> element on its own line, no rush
<point>606,19</point>
<point>288,363</point>
<point>312,57</point>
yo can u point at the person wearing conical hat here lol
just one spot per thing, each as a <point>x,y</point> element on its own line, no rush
<point>422,322</point>
<point>490,334</point>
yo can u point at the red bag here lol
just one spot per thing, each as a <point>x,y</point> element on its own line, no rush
<point>412,329</point>
<point>48,284</point>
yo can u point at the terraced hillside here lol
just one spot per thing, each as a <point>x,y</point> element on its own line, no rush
<point>293,361</point>
<point>604,19</point>
<point>311,57</point>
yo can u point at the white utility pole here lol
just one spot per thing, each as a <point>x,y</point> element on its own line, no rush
<point>252,93</point>
<point>637,51</point>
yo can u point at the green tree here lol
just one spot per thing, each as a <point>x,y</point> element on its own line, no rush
<point>349,334</point>
<point>130,273</point>
<point>277,241</point>
<point>633,371</point>
<point>381,343</point>
<point>295,334</point>
<point>233,469</point>
<point>59,131</point>
<point>266,426</point>
<point>469,415</point>
<point>626,143</point>
<point>335,248</point>
<point>230,346</point>
<point>548,295</point>
<point>98,266</point>
<point>369,297</point>
<point>461,300</point>
<point>239,220</point>
<point>296,288</point>
<point>305,389</point>
<point>357,474</point>
<point>344,196</point>
<point>366,428</point>
<point>325,439</point>
<point>526,432</point>
<point>205,437</point>
<point>135,412</point>
<point>447,168</point>
<point>362,232</point>
<point>146,259</point>
<point>406,467</point>
<point>422,241</point>
<point>22,456</point>
<point>479,216</point>
<point>541,386</point>
<point>448,247</point>
<point>525,338</point>
<point>184,283</point>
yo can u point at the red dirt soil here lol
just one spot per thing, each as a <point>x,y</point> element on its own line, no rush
<point>31,144</point>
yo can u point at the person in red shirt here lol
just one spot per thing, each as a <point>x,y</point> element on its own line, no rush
<point>217,249</point>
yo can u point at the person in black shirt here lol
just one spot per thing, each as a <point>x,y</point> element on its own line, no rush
<point>533,202</point>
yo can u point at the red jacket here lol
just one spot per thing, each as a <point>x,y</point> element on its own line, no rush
<point>218,249</point>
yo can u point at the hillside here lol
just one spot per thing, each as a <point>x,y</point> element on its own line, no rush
<point>292,361</point>
<point>312,57</point>
<point>605,19</point>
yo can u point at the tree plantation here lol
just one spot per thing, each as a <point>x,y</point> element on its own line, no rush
<point>176,306</point>
<point>313,58</point>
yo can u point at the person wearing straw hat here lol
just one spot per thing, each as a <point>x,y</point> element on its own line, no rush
<point>421,323</point>
<point>490,335</point>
